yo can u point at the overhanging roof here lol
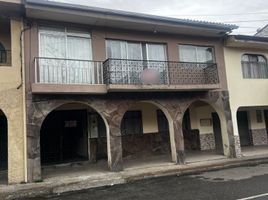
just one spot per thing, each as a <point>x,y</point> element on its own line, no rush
<point>50,10</point>
<point>245,41</point>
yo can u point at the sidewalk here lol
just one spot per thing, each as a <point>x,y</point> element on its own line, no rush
<point>65,183</point>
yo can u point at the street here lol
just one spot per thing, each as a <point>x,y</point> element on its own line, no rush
<point>243,183</point>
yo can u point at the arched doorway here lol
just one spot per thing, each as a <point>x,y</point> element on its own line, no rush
<point>3,147</point>
<point>145,135</point>
<point>71,133</point>
<point>202,129</point>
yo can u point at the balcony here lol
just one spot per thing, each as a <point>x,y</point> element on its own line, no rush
<point>137,75</point>
<point>5,58</point>
<point>55,75</point>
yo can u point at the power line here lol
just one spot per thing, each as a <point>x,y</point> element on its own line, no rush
<point>257,20</point>
<point>231,14</point>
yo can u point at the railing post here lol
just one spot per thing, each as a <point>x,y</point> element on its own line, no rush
<point>35,70</point>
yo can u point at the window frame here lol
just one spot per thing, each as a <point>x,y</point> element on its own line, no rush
<point>250,63</point>
<point>143,45</point>
<point>65,31</point>
<point>196,46</point>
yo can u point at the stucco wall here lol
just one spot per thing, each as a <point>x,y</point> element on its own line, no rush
<point>11,103</point>
<point>243,92</point>
<point>149,117</point>
<point>201,112</point>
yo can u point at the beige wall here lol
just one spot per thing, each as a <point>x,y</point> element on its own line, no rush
<point>201,112</point>
<point>243,92</point>
<point>253,124</point>
<point>12,104</point>
<point>149,117</point>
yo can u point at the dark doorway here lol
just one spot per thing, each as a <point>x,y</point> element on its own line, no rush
<point>243,128</point>
<point>3,148</point>
<point>64,137</point>
<point>191,136</point>
<point>3,143</point>
<point>217,133</point>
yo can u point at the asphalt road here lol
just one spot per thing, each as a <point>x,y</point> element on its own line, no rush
<point>237,183</point>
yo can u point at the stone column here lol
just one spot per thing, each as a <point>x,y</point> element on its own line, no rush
<point>179,143</point>
<point>114,112</point>
<point>33,153</point>
<point>115,160</point>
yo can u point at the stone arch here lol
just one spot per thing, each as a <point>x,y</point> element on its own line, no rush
<point>35,120</point>
<point>161,106</point>
<point>218,108</point>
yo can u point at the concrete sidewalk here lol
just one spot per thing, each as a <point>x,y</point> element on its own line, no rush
<point>62,184</point>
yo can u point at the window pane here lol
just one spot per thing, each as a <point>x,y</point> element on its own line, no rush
<point>261,59</point>
<point>134,51</point>
<point>245,58</point>
<point>116,49</point>
<point>52,45</point>
<point>79,48</point>
<point>78,69</point>
<point>187,53</point>
<point>156,52</point>
<point>254,66</point>
<point>201,54</point>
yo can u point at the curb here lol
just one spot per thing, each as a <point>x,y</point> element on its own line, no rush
<point>52,188</point>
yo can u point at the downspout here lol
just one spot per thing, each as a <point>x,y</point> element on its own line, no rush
<point>22,85</point>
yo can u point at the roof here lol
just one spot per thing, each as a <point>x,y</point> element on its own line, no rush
<point>247,42</point>
<point>131,17</point>
<point>262,32</point>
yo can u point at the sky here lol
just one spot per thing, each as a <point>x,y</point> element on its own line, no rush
<point>248,14</point>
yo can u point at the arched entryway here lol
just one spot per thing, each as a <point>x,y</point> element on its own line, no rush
<point>145,135</point>
<point>73,133</point>
<point>202,130</point>
<point>252,129</point>
<point>3,148</point>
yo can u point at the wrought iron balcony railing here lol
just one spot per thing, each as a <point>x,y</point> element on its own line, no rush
<point>5,57</point>
<point>68,71</point>
<point>137,72</point>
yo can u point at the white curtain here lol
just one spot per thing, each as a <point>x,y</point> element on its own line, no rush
<point>187,53</point>
<point>51,45</point>
<point>80,70</point>
<point>61,46</point>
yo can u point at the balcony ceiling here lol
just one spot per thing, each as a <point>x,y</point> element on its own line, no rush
<point>10,8</point>
<point>120,19</point>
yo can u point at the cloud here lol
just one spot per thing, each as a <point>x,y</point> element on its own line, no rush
<point>226,11</point>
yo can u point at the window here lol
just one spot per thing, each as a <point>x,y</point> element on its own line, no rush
<point>5,42</point>
<point>64,56</point>
<point>134,57</point>
<point>254,66</point>
<point>196,54</point>
<point>132,123</point>
<point>135,50</point>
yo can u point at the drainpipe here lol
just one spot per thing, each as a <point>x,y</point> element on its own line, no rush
<point>22,85</point>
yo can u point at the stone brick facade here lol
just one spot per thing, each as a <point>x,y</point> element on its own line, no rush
<point>207,141</point>
<point>259,137</point>
<point>112,108</point>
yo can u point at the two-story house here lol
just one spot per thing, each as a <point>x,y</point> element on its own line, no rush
<point>247,73</point>
<point>12,99</point>
<point>117,86</point>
